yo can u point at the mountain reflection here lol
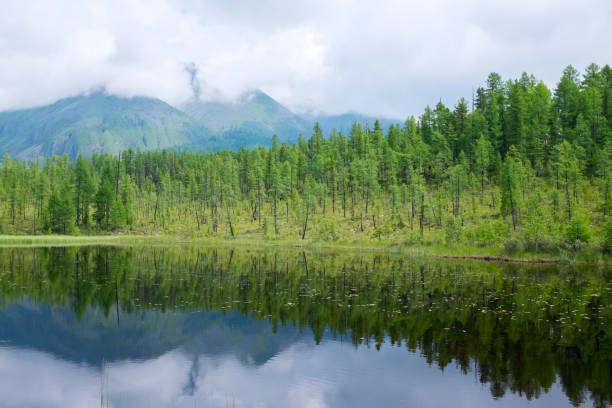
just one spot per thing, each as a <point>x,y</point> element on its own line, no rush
<point>520,329</point>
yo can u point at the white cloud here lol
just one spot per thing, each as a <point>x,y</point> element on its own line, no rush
<point>385,57</point>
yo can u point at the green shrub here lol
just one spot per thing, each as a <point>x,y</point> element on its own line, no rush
<point>606,244</point>
<point>382,230</point>
<point>576,231</point>
<point>413,237</point>
<point>537,236</point>
<point>400,222</point>
<point>514,244</point>
<point>452,231</point>
<point>491,233</point>
<point>329,231</point>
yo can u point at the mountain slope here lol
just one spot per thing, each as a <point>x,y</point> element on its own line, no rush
<point>143,334</point>
<point>255,117</point>
<point>344,122</point>
<point>93,124</point>
<point>249,121</point>
<point>103,123</point>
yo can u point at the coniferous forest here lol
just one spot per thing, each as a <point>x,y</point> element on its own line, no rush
<point>520,166</point>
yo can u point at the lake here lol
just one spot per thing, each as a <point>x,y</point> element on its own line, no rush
<point>204,327</point>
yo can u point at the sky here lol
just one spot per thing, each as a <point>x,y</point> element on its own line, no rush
<point>387,58</point>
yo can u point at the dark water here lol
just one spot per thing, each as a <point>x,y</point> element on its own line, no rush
<point>200,327</point>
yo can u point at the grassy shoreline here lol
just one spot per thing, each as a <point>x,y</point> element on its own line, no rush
<point>433,251</point>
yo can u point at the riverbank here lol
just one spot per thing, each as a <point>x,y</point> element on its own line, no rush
<point>490,254</point>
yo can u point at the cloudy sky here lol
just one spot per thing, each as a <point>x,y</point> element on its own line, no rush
<point>381,57</point>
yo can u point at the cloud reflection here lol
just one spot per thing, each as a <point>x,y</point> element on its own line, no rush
<point>303,375</point>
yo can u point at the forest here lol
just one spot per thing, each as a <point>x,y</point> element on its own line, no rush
<point>519,167</point>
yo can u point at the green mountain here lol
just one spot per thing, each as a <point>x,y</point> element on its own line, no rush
<point>344,122</point>
<point>142,334</point>
<point>254,117</point>
<point>95,123</point>
<point>249,121</point>
<point>103,123</point>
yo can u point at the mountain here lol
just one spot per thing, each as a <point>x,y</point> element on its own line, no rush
<point>254,117</point>
<point>344,122</point>
<point>95,123</point>
<point>142,335</point>
<point>100,122</point>
<point>249,121</point>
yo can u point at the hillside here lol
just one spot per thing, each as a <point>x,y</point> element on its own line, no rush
<point>344,122</point>
<point>95,123</point>
<point>103,123</point>
<point>249,121</point>
<point>254,117</point>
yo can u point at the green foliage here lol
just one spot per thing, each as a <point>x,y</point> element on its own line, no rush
<point>382,231</point>
<point>103,203</point>
<point>528,168</point>
<point>452,231</point>
<point>513,245</point>
<point>118,216</point>
<point>60,211</point>
<point>511,186</point>
<point>536,225</point>
<point>607,237</point>
<point>3,225</point>
<point>491,233</point>
<point>577,231</point>
<point>328,231</point>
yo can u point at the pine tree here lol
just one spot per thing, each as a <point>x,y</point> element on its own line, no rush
<point>60,209</point>
<point>83,190</point>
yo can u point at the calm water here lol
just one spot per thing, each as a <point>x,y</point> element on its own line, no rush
<point>200,327</point>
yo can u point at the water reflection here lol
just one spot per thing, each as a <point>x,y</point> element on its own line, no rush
<point>185,326</point>
<point>331,374</point>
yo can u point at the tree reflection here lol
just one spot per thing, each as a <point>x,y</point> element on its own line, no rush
<point>519,327</point>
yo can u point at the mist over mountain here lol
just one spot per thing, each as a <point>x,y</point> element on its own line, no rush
<point>103,123</point>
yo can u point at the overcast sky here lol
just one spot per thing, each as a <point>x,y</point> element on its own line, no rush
<point>382,57</point>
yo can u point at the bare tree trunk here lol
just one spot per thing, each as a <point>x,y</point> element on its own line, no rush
<point>275,217</point>
<point>305,224</point>
<point>229,222</point>
<point>568,199</point>
<point>422,217</point>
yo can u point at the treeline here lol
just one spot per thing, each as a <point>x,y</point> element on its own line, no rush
<point>519,164</point>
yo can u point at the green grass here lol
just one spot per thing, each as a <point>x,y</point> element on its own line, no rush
<point>67,240</point>
<point>435,251</point>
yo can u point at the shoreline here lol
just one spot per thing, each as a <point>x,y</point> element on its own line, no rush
<point>484,254</point>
